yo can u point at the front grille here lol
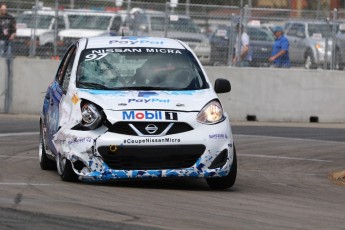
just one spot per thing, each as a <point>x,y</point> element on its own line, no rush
<point>123,127</point>
<point>151,157</point>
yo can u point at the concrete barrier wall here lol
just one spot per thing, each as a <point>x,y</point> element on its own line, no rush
<point>269,94</point>
<point>283,94</point>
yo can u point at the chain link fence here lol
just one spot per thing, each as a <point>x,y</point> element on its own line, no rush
<point>315,32</point>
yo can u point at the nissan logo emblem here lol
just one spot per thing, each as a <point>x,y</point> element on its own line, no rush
<point>151,128</point>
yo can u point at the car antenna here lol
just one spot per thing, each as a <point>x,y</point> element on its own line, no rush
<point>122,33</point>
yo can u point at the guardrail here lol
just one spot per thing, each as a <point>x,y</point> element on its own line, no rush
<point>262,94</point>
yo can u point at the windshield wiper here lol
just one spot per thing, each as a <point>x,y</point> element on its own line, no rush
<point>137,88</point>
<point>94,85</point>
<point>148,88</point>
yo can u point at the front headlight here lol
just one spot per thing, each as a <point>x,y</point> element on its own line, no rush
<point>92,116</point>
<point>212,113</point>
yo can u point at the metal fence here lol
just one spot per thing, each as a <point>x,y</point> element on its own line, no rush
<point>45,30</point>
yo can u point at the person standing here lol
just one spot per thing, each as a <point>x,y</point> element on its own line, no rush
<point>242,55</point>
<point>280,51</point>
<point>7,32</point>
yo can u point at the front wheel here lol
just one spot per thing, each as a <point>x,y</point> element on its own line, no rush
<point>309,62</point>
<point>221,183</point>
<point>45,162</point>
<point>64,168</point>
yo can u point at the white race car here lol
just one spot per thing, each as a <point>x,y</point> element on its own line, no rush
<point>135,107</point>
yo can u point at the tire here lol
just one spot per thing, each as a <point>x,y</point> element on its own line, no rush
<point>45,162</point>
<point>221,183</point>
<point>65,170</point>
<point>309,62</point>
<point>339,65</point>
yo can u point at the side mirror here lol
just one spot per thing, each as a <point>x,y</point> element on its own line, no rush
<point>222,85</point>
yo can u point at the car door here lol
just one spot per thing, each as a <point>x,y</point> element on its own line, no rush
<point>55,93</point>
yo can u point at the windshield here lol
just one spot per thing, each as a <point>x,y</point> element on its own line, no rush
<point>139,69</point>
<point>257,34</point>
<point>91,22</point>
<point>323,30</point>
<point>175,24</point>
<point>43,21</point>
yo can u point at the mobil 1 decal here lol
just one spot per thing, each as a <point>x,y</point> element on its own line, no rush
<point>148,115</point>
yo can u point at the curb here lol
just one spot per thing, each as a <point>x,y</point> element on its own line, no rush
<point>338,177</point>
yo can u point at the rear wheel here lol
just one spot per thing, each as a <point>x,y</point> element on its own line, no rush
<point>45,162</point>
<point>221,183</point>
<point>64,168</point>
<point>339,65</point>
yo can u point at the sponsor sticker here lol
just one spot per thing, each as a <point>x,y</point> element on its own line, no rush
<point>151,100</point>
<point>152,140</point>
<point>148,115</point>
<point>75,99</point>
<point>218,136</point>
<point>136,42</point>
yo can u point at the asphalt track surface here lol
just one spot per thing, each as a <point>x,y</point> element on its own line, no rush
<point>282,183</point>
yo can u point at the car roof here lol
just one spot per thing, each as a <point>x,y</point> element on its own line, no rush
<point>44,12</point>
<point>156,13</point>
<point>308,22</point>
<point>90,12</point>
<point>133,42</point>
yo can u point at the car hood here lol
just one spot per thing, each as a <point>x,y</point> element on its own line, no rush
<point>80,33</point>
<point>187,100</point>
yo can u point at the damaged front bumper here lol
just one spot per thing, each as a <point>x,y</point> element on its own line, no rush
<point>101,155</point>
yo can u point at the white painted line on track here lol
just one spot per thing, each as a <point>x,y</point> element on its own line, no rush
<point>282,158</point>
<point>24,157</point>
<point>282,172</point>
<point>27,184</point>
<point>18,134</point>
<point>290,138</point>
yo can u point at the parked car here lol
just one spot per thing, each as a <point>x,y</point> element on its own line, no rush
<point>261,43</point>
<point>135,107</point>
<point>87,23</point>
<point>308,43</point>
<point>38,27</point>
<point>143,22</point>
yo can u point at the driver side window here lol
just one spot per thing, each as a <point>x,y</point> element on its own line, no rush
<point>64,74</point>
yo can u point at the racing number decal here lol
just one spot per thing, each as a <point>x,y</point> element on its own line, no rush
<point>170,116</point>
<point>90,57</point>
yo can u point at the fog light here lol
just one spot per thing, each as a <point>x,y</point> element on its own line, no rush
<point>113,148</point>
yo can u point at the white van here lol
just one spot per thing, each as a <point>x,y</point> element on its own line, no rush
<point>88,23</point>
<point>39,27</point>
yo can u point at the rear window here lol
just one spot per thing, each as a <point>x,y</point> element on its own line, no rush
<point>139,68</point>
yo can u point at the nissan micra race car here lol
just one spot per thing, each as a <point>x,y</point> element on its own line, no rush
<point>135,107</point>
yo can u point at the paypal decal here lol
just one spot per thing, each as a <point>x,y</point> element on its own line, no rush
<point>151,100</point>
<point>136,42</point>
